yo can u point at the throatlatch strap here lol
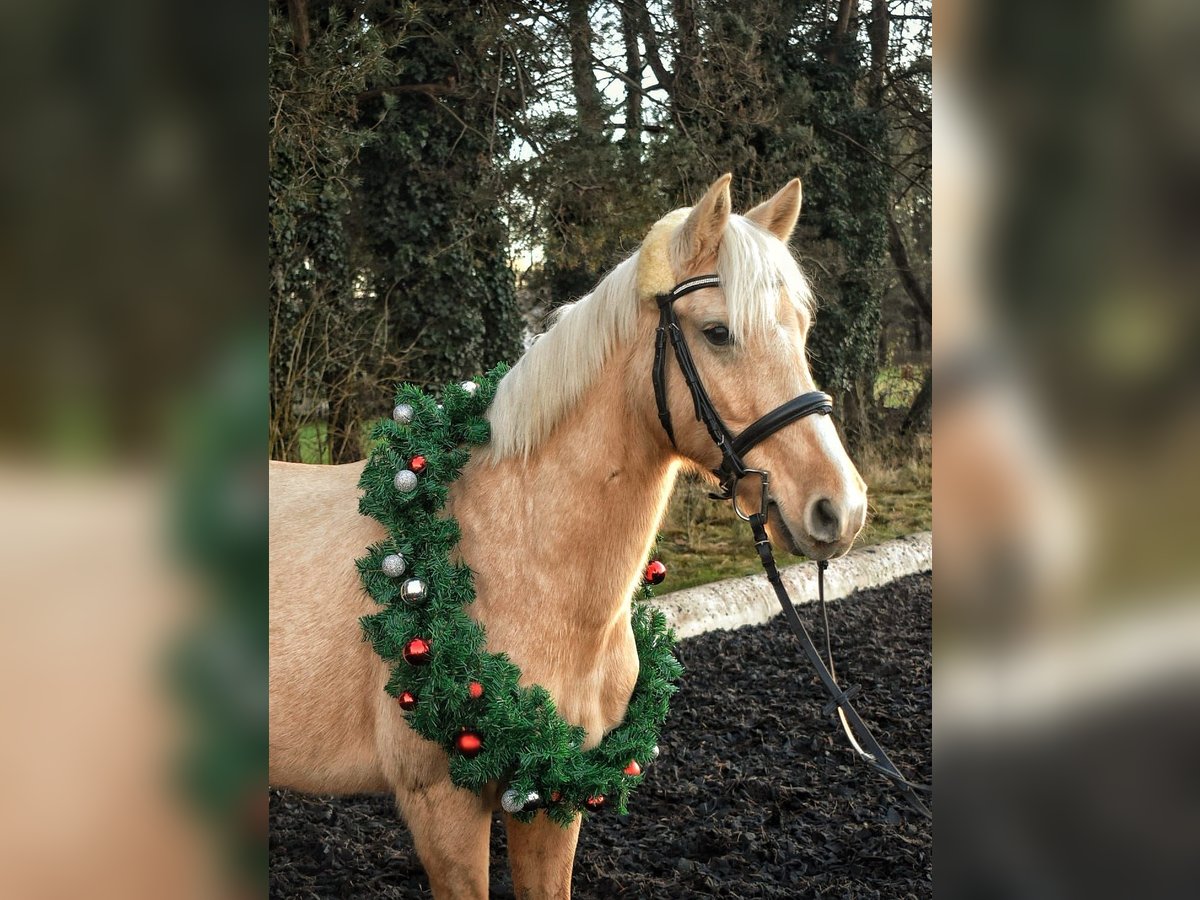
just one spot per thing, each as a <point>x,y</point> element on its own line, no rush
<point>873,754</point>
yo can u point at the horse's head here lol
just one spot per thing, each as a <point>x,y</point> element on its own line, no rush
<point>747,338</point>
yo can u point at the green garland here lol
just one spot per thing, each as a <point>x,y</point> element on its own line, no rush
<point>522,741</point>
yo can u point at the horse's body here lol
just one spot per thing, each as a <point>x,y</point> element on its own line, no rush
<point>556,518</point>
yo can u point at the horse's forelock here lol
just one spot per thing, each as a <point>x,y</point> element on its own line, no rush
<point>754,265</point>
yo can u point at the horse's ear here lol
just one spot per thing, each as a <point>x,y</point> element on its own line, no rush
<point>700,234</point>
<point>778,215</point>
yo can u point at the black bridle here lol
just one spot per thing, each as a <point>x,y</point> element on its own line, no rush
<point>729,474</point>
<point>733,468</point>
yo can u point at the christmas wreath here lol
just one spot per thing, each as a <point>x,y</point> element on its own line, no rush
<point>452,690</point>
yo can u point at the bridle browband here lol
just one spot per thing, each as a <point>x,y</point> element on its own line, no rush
<point>729,474</point>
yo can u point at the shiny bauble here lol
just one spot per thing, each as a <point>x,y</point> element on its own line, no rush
<point>515,801</point>
<point>407,701</point>
<point>469,744</point>
<point>405,481</point>
<point>417,652</point>
<point>413,590</point>
<point>393,565</point>
<point>633,769</point>
<point>470,387</point>
<point>417,464</point>
<point>594,803</point>
<point>655,572</point>
<point>403,413</point>
<point>475,690</point>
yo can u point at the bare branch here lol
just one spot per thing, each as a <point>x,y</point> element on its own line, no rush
<point>899,253</point>
<point>432,90</point>
<point>650,40</point>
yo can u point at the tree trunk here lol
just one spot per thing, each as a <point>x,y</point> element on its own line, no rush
<point>855,421</point>
<point>841,30</point>
<point>650,40</point>
<point>633,96</point>
<point>298,15</point>
<point>922,406</point>
<point>899,253</point>
<point>588,102</point>
<point>687,59</point>
<point>878,33</point>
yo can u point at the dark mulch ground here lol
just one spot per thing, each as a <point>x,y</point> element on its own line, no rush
<point>754,794</point>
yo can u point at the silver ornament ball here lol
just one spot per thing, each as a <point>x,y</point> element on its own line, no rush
<point>403,413</point>
<point>413,590</point>
<point>654,753</point>
<point>470,387</point>
<point>406,481</point>
<point>393,565</point>
<point>515,801</point>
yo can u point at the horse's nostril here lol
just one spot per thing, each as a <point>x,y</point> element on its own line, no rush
<point>825,524</point>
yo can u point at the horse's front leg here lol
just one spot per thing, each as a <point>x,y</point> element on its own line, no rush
<point>541,856</point>
<point>450,830</point>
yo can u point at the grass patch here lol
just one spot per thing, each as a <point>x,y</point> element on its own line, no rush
<point>314,443</point>
<point>703,541</point>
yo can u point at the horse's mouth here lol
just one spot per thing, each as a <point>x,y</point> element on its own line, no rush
<point>813,549</point>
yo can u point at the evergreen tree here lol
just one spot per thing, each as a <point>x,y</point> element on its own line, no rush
<point>429,211</point>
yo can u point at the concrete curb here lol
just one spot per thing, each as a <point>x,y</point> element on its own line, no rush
<point>751,601</point>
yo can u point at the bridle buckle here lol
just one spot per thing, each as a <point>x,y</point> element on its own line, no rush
<point>765,478</point>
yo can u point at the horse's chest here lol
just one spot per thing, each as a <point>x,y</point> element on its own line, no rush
<point>597,698</point>
<point>590,674</point>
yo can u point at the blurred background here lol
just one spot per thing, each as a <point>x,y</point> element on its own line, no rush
<point>133,536</point>
<point>438,176</point>
<point>1067,346</point>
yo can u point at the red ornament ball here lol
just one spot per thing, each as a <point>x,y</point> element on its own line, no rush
<point>594,803</point>
<point>633,769</point>
<point>655,572</point>
<point>417,652</point>
<point>407,701</point>
<point>469,744</point>
<point>475,689</point>
<point>417,464</point>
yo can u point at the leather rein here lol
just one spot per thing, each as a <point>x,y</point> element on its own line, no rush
<point>729,474</point>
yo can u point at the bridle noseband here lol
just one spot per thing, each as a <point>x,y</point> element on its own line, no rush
<point>729,474</point>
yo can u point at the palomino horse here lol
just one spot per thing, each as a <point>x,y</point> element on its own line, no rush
<point>558,513</point>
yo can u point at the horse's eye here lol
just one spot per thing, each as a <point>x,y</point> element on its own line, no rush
<point>717,335</point>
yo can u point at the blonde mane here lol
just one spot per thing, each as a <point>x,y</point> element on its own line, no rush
<point>564,361</point>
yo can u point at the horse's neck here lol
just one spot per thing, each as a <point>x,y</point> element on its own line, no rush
<point>581,512</point>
